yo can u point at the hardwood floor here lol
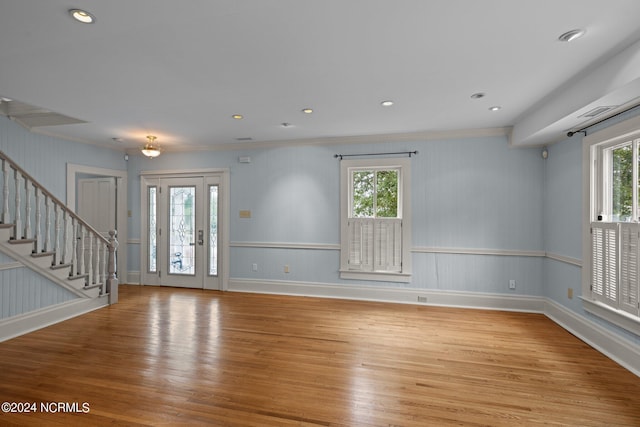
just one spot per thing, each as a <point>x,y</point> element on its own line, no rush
<point>165,356</point>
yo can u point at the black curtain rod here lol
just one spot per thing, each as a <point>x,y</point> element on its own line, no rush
<point>410,153</point>
<point>584,129</point>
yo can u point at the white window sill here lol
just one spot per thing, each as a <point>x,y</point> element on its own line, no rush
<point>378,276</point>
<point>620,318</point>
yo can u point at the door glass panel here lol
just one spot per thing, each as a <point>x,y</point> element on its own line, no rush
<point>153,245</point>
<point>213,230</point>
<point>182,237</point>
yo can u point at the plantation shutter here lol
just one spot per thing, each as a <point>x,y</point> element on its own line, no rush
<point>388,245</point>
<point>375,244</point>
<point>360,244</point>
<point>629,265</point>
<point>604,275</point>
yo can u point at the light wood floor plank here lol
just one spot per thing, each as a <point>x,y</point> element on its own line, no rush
<point>165,356</point>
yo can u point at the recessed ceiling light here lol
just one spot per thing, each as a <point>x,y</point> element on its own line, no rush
<point>238,116</point>
<point>478,95</point>
<point>571,35</point>
<point>495,108</point>
<point>307,110</point>
<point>82,16</point>
<point>286,125</point>
<point>386,103</point>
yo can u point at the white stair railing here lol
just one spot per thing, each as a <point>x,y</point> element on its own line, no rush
<point>38,217</point>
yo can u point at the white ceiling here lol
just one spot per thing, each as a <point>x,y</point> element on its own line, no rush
<point>181,69</point>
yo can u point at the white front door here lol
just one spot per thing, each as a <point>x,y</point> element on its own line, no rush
<point>182,232</point>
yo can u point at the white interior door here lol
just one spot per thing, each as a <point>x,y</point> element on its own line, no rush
<point>97,203</point>
<point>182,232</point>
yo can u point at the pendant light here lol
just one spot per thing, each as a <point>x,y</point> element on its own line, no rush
<point>151,148</point>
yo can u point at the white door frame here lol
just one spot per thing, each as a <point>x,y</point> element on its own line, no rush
<point>223,221</point>
<point>121,214</point>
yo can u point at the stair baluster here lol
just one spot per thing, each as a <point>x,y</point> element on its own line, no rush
<point>96,269</point>
<point>68,241</point>
<point>81,254</point>
<point>27,209</point>
<point>38,233</point>
<point>105,274</point>
<point>90,259</point>
<point>56,234</point>
<point>18,207</point>
<point>6,217</point>
<point>47,223</point>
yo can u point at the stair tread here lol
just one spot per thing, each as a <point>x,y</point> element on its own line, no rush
<point>58,266</point>
<point>19,241</point>
<point>2,225</point>
<point>79,276</point>
<point>42,254</point>
<point>97,285</point>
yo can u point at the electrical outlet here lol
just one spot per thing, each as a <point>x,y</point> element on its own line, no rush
<point>422,299</point>
<point>254,267</point>
<point>570,293</point>
<point>286,268</point>
<point>512,284</point>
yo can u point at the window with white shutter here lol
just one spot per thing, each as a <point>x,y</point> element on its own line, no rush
<point>375,220</point>
<point>611,283</point>
<point>629,265</point>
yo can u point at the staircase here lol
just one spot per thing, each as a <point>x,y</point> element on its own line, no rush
<point>39,231</point>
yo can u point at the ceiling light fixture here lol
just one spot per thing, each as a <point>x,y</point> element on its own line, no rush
<point>151,148</point>
<point>307,110</point>
<point>495,108</point>
<point>82,16</point>
<point>572,35</point>
<point>388,103</point>
<point>238,116</point>
<point>478,95</point>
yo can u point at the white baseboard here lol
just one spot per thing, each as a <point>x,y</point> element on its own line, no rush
<point>32,321</point>
<point>133,278</point>
<point>621,351</point>
<point>406,296</point>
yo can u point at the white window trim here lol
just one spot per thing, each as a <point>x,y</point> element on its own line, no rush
<point>404,165</point>
<point>617,134</point>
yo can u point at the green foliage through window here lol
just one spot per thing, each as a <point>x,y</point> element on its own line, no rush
<point>375,193</point>
<point>622,191</point>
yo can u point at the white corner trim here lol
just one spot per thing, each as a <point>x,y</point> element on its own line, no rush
<point>621,351</point>
<point>28,322</point>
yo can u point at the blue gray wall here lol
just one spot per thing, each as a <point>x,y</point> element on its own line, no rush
<point>473,193</point>
<point>563,206</point>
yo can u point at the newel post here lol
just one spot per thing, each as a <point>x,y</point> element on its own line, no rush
<point>112,280</point>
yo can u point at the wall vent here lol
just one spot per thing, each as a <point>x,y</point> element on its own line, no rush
<point>598,111</point>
